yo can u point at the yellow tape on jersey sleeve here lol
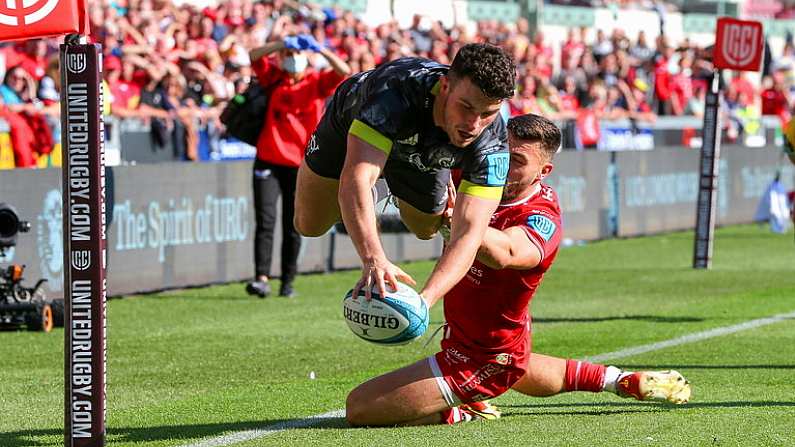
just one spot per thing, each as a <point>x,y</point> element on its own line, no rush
<point>371,136</point>
<point>485,192</point>
<point>789,137</point>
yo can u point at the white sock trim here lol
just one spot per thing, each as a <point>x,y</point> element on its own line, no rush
<point>612,374</point>
<point>449,397</point>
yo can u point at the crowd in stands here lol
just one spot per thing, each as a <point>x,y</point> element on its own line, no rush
<point>176,66</point>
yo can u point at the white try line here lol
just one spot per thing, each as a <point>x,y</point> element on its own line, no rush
<point>690,338</point>
<point>247,435</point>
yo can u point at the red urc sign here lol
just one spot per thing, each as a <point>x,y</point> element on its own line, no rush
<point>738,44</point>
<point>30,19</point>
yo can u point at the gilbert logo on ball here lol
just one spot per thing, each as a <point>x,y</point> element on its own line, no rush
<point>738,44</point>
<point>395,319</point>
<point>29,19</point>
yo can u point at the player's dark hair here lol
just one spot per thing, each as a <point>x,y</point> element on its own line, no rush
<point>536,128</point>
<point>490,68</point>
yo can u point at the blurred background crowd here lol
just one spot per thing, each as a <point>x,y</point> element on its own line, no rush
<point>175,66</point>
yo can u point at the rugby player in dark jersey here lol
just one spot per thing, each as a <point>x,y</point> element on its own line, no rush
<point>410,121</point>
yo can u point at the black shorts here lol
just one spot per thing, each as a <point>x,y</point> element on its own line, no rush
<point>425,191</point>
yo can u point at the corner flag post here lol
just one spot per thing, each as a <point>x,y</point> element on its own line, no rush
<point>738,46</point>
<point>84,237</point>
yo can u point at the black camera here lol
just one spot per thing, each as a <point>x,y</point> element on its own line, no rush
<point>10,226</point>
<point>21,305</point>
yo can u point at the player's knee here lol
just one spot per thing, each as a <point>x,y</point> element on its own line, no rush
<point>305,227</point>
<point>355,412</point>
<point>423,230</point>
<point>425,233</point>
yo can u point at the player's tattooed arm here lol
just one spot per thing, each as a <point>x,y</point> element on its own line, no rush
<point>509,248</point>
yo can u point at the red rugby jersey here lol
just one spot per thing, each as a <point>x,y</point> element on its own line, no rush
<point>488,309</point>
<point>294,109</point>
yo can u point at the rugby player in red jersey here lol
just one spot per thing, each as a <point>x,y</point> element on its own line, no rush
<point>486,347</point>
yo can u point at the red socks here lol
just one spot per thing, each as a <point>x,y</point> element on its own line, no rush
<point>584,376</point>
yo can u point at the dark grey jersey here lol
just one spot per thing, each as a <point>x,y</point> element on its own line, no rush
<point>391,107</point>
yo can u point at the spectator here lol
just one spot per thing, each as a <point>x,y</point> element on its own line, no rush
<point>776,97</point>
<point>33,58</point>
<point>421,34</point>
<point>525,99</point>
<point>30,133</point>
<point>602,47</point>
<point>573,48</point>
<point>682,86</point>
<point>746,92</point>
<point>125,86</point>
<point>569,96</point>
<point>638,102</point>
<point>641,50</point>
<point>662,78</point>
<point>297,93</point>
<point>18,89</point>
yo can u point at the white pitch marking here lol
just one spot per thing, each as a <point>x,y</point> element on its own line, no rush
<point>690,338</point>
<point>247,435</point>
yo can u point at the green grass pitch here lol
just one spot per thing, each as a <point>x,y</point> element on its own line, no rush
<point>193,364</point>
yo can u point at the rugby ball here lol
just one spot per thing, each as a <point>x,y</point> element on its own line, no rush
<point>395,319</point>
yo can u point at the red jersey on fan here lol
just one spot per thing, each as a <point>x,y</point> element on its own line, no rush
<point>294,109</point>
<point>487,311</point>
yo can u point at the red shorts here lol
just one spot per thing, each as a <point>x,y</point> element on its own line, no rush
<point>466,376</point>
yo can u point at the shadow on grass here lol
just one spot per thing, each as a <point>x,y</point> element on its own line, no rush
<point>637,407</point>
<point>183,433</point>
<point>651,318</point>
<point>683,367</point>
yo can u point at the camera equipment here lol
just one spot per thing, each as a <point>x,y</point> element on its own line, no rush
<point>10,226</point>
<point>21,305</point>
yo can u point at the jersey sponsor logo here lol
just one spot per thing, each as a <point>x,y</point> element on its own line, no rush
<point>480,375</point>
<point>312,146</point>
<point>503,358</point>
<point>416,160</point>
<point>475,274</point>
<point>452,356</point>
<point>410,141</point>
<point>445,161</point>
<point>546,193</point>
<point>488,150</point>
<point>497,168</point>
<point>542,225</point>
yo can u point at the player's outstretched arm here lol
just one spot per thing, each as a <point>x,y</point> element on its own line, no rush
<point>471,217</point>
<point>509,248</point>
<point>363,165</point>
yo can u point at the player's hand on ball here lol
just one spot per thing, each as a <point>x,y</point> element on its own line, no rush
<point>380,273</point>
